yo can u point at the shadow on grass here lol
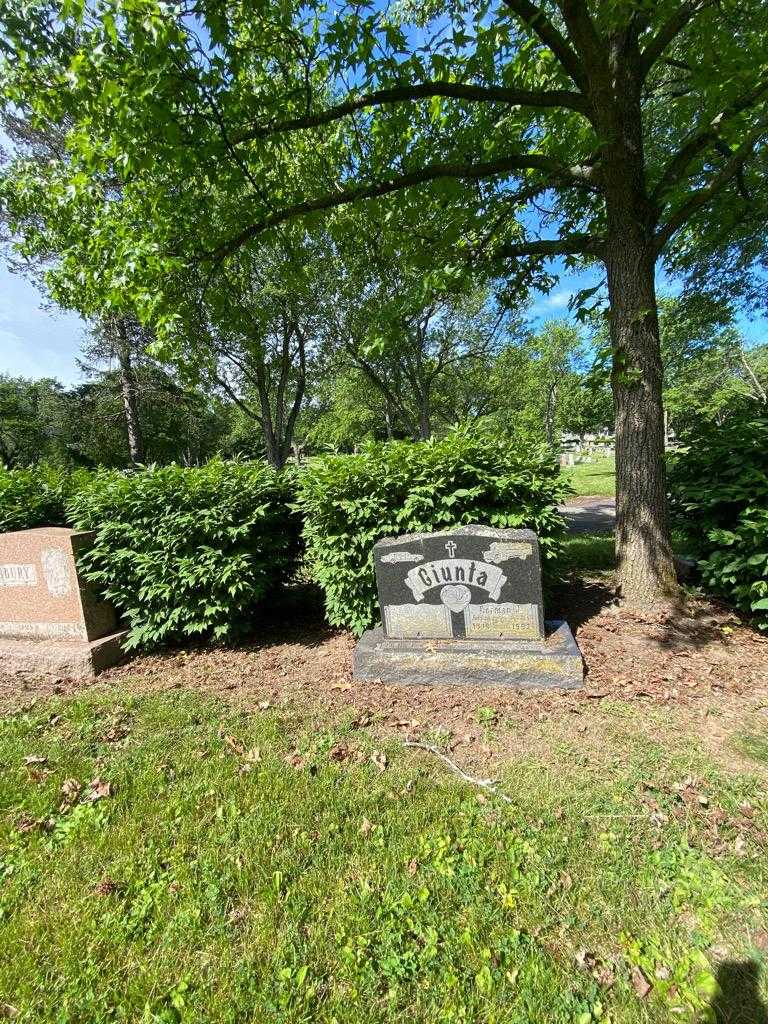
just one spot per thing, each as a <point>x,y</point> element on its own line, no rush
<point>738,1000</point>
<point>579,585</point>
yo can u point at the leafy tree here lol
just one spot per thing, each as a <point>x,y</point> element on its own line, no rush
<point>348,410</point>
<point>423,344</point>
<point>179,424</point>
<point>555,352</point>
<point>255,333</point>
<point>709,376</point>
<point>34,417</point>
<point>121,340</point>
<point>643,120</point>
<point>541,386</point>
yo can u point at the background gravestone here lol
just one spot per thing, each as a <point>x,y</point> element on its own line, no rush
<point>465,606</point>
<point>51,622</point>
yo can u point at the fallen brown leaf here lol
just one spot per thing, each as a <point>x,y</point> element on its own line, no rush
<point>105,887</point>
<point>98,789</point>
<point>70,790</point>
<point>234,744</point>
<point>250,758</point>
<point>640,983</point>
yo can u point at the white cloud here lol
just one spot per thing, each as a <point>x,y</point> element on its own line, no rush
<point>557,300</point>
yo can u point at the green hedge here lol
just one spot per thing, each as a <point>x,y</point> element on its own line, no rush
<point>37,496</point>
<point>349,501</point>
<point>188,552</point>
<point>719,498</point>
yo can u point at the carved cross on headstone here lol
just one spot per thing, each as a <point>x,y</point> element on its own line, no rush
<point>450,547</point>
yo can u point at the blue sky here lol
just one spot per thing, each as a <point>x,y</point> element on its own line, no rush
<point>34,341</point>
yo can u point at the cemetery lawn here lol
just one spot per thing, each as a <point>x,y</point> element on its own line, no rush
<point>168,857</point>
<point>593,478</point>
<point>241,835</point>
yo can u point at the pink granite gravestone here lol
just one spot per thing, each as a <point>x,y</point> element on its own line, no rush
<point>51,622</point>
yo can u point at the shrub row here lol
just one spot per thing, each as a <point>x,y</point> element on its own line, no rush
<point>348,502</point>
<point>37,496</point>
<point>188,552</point>
<point>719,486</point>
<point>191,552</point>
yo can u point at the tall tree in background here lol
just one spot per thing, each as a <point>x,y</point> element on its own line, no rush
<point>637,123</point>
<point>556,351</point>
<point>120,340</point>
<point>413,346</point>
<point>254,334</point>
<point>708,372</point>
<point>34,421</point>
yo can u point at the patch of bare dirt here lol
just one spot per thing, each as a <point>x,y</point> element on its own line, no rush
<point>704,676</point>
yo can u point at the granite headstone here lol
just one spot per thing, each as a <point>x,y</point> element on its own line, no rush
<point>51,622</point>
<point>465,606</point>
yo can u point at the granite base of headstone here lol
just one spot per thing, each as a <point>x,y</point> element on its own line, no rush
<point>465,607</point>
<point>51,622</point>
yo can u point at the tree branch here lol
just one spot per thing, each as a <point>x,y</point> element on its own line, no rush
<point>535,19</point>
<point>703,136</point>
<point>425,90</point>
<point>761,393</point>
<point>570,245</point>
<point>582,31</point>
<point>432,172</point>
<point>696,200</point>
<point>668,32</point>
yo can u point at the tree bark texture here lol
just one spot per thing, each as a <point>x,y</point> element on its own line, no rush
<point>646,574</point>
<point>645,565</point>
<point>129,394</point>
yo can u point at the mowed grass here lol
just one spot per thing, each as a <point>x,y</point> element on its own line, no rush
<point>235,870</point>
<point>593,478</point>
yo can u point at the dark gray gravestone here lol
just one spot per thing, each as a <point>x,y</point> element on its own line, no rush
<point>465,606</point>
<point>474,582</point>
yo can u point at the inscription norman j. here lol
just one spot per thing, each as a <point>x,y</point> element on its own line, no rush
<point>514,621</point>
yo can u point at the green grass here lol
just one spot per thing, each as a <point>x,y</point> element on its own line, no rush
<point>335,891</point>
<point>755,745</point>
<point>587,552</point>
<point>593,478</point>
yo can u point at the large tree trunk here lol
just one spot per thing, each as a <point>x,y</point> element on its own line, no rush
<point>130,398</point>
<point>646,574</point>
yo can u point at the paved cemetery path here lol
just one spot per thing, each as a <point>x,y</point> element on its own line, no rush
<point>590,515</point>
